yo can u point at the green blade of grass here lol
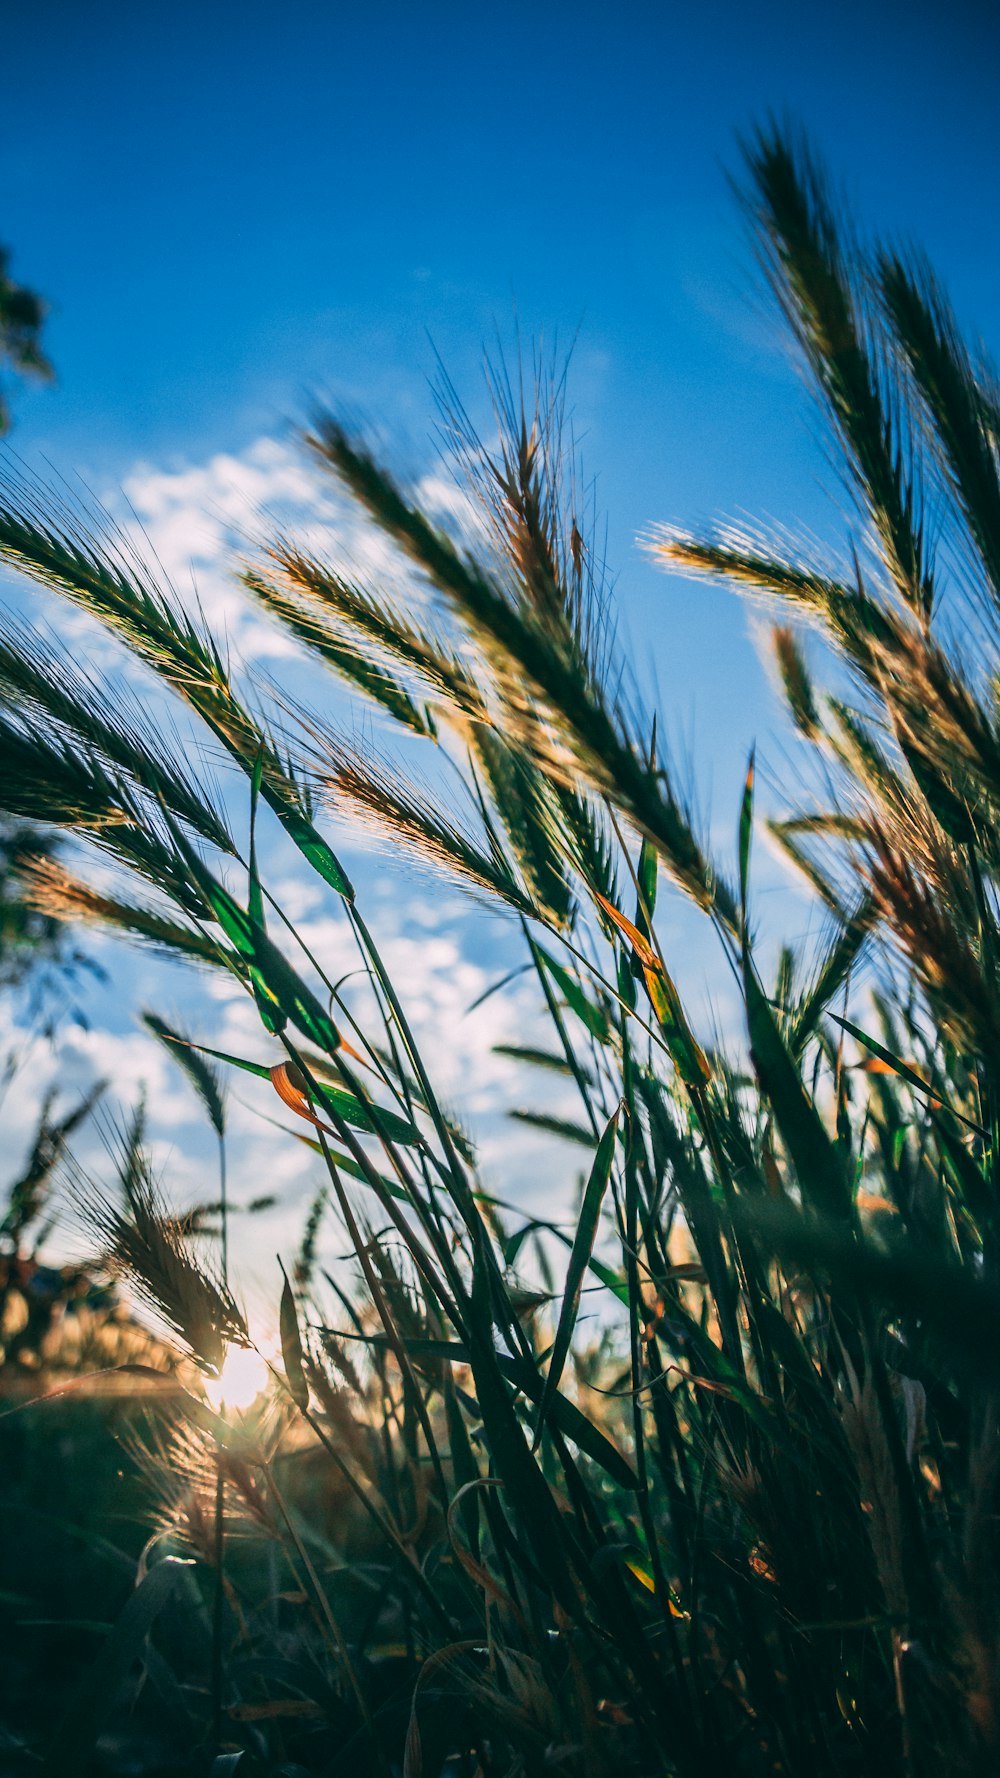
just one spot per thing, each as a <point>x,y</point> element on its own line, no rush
<point>337,1098</point>
<point>580,1253</point>
<point>291,1344</point>
<point>814,1156</point>
<point>746,835</point>
<point>96,1695</point>
<point>905,1072</point>
<point>586,1009</point>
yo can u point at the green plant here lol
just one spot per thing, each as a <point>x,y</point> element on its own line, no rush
<point>748,1526</point>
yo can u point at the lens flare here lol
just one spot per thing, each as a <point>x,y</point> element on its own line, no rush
<point>242,1379</point>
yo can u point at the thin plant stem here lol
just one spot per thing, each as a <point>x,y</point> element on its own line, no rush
<point>329,1618</point>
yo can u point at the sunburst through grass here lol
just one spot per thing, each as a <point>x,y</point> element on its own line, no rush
<point>242,1380</point>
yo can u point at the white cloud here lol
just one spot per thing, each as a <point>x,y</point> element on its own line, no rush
<point>198,520</point>
<point>194,521</point>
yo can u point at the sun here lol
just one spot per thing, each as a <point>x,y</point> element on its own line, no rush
<point>243,1377</point>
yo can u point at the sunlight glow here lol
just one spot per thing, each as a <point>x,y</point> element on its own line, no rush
<point>243,1377</point>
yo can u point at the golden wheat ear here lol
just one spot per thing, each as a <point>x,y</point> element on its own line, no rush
<point>143,1245</point>
<point>41,683</point>
<point>958,399</point>
<point>821,283</point>
<point>55,546</point>
<point>396,811</point>
<point>60,894</point>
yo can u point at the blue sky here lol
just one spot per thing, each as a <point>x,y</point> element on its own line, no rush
<point>233,208</point>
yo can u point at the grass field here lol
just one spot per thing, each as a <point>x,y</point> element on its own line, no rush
<point>742,1517</point>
